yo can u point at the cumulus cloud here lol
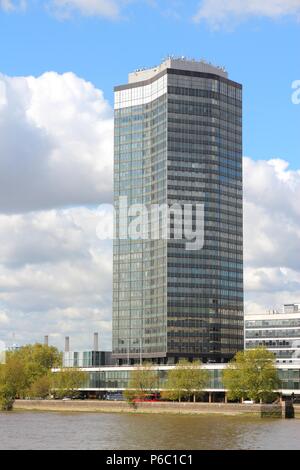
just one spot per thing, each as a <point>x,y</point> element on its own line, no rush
<point>55,143</point>
<point>220,12</point>
<point>55,276</point>
<point>272,234</point>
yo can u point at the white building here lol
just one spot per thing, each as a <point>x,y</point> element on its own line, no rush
<point>277,331</point>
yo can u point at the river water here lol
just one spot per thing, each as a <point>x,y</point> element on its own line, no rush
<point>42,430</point>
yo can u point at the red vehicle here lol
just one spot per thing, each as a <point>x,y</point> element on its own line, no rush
<point>151,397</point>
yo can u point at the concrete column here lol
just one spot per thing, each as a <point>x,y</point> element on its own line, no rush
<point>209,397</point>
<point>226,397</point>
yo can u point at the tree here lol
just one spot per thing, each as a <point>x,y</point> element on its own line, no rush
<point>7,397</point>
<point>143,381</point>
<point>38,359</point>
<point>41,387</point>
<point>252,374</point>
<point>66,382</point>
<point>26,372</point>
<point>130,396</point>
<point>187,379</point>
<point>13,382</point>
<point>15,377</point>
<point>6,394</point>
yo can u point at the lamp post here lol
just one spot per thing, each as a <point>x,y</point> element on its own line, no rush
<point>128,352</point>
<point>139,342</point>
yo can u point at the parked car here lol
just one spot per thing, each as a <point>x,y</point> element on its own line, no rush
<point>114,397</point>
<point>152,397</point>
<point>248,402</point>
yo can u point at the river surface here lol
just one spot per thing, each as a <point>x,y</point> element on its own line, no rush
<point>42,430</point>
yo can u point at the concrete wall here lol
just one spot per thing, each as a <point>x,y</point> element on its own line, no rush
<point>297,411</point>
<point>230,409</point>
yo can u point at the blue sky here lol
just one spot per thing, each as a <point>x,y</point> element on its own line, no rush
<point>259,52</point>
<point>56,147</point>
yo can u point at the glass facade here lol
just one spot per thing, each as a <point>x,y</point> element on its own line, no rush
<point>118,379</point>
<point>205,288</point>
<point>86,358</point>
<point>278,332</point>
<point>139,266</point>
<point>178,140</point>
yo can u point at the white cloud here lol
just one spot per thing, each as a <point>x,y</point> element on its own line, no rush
<point>104,8</point>
<point>272,234</point>
<point>56,140</point>
<point>272,213</point>
<point>55,143</point>
<point>6,5</point>
<point>55,276</point>
<point>227,12</point>
<point>110,9</point>
<point>4,320</point>
<point>13,5</point>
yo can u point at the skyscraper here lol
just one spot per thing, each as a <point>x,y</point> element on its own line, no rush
<point>178,140</point>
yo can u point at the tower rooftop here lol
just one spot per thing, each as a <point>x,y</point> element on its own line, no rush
<point>180,63</point>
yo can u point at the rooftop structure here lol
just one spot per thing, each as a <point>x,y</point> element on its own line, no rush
<point>177,63</point>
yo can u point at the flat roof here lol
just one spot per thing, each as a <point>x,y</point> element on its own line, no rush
<point>180,63</point>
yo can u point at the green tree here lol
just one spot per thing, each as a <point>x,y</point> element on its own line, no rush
<point>186,380</point>
<point>25,371</point>
<point>252,374</point>
<point>41,387</point>
<point>38,359</point>
<point>130,396</point>
<point>143,381</point>
<point>15,376</point>
<point>7,397</point>
<point>66,382</point>
<point>13,382</point>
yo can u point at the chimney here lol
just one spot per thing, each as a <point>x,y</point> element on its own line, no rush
<point>67,344</point>
<point>96,342</point>
<point>46,340</point>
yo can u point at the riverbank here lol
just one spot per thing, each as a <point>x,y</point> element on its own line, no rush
<point>94,406</point>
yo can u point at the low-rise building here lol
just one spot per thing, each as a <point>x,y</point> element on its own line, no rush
<point>87,358</point>
<point>277,331</point>
<point>101,380</point>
